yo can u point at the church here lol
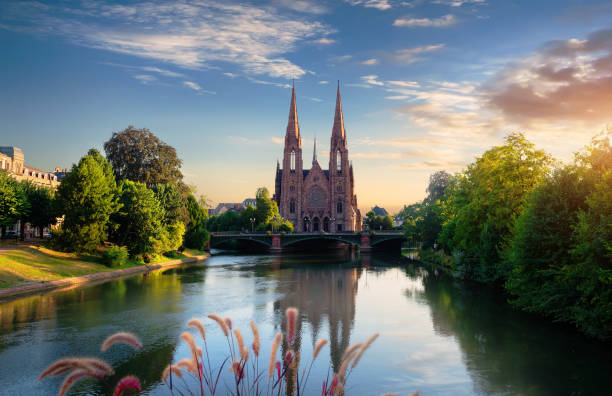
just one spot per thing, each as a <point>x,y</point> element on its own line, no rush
<point>317,200</point>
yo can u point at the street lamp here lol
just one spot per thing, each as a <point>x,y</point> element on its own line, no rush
<point>307,222</point>
<point>333,221</point>
<point>252,220</point>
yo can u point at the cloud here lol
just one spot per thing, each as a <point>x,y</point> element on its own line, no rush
<point>195,34</point>
<point>340,58</point>
<point>378,4</point>
<point>370,62</point>
<point>443,21</point>
<point>277,140</point>
<point>192,85</point>
<point>323,82</point>
<point>230,75</point>
<point>308,7</point>
<point>145,78</point>
<point>564,80</point>
<point>404,84</point>
<point>324,41</point>
<point>459,3</point>
<point>411,55</point>
<point>372,80</point>
<point>435,165</point>
<point>163,72</point>
<point>272,83</point>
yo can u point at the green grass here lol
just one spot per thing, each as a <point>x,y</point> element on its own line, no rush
<point>27,264</point>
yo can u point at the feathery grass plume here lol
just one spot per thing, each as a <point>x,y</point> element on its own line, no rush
<point>239,339</point>
<point>175,371</point>
<point>289,356</point>
<point>71,379</point>
<point>188,338</point>
<point>351,349</point>
<point>220,322</point>
<point>291,314</point>
<point>199,351</point>
<point>339,389</point>
<point>237,367</point>
<point>345,363</point>
<point>256,345</point>
<point>62,366</point>
<point>277,340</point>
<point>363,349</point>
<point>189,365</point>
<point>228,322</point>
<point>334,384</point>
<point>244,354</point>
<point>197,324</point>
<point>123,338</point>
<point>318,348</point>
<point>129,382</point>
<point>59,364</point>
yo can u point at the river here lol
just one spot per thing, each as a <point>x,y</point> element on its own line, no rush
<point>437,335</point>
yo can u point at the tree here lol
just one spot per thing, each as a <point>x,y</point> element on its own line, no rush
<point>245,217</point>
<point>438,182</point>
<point>265,206</point>
<point>43,208</point>
<point>139,155</point>
<point>13,202</point>
<point>486,200</point>
<point>172,202</point>
<point>197,235</point>
<point>387,222</point>
<point>140,221</point>
<point>87,198</point>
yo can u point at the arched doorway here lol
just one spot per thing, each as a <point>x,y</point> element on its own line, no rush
<point>315,224</point>
<point>326,224</point>
<point>306,224</point>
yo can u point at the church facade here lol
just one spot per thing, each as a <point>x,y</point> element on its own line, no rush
<point>316,199</point>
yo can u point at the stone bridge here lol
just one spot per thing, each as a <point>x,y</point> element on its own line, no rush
<point>381,240</point>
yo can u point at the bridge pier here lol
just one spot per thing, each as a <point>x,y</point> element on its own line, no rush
<point>365,246</point>
<point>276,244</point>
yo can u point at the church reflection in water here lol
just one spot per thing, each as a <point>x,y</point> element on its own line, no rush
<point>325,297</point>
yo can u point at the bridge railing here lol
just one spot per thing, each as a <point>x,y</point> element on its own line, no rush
<point>347,233</point>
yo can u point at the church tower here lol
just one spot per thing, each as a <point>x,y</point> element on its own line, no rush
<point>291,176</point>
<point>339,174</point>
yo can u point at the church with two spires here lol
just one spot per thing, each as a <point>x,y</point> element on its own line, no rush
<point>317,200</point>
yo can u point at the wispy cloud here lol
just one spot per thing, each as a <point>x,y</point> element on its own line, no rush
<point>372,80</point>
<point>324,41</point>
<point>459,3</point>
<point>230,75</point>
<point>370,62</point>
<point>145,78</point>
<point>196,87</point>
<point>411,55</point>
<point>194,35</point>
<point>378,4</point>
<point>272,83</point>
<point>305,6</point>
<point>323,82</point>
<point>443,21</point>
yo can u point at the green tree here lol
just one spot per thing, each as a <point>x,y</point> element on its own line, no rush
<point>197,235</point>
<point>486,201</point>
<point>245,218</point>
<point>387,222</point>
<point>43,208</point>
<point>264,211</point>
<point>140,221</point>
<point>86,198</point>
<point>139,155</point>
<point>172,202</point>
<point>13,201</point>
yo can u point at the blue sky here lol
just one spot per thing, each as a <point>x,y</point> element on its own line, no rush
<point>426,85</point>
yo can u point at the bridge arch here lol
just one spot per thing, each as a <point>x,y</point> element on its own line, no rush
<point>216,241</point>
<point>323,237</point>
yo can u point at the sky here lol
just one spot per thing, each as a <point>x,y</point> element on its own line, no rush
<point>426,85</point>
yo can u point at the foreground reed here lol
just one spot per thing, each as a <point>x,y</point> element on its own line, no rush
<point>196,375</point>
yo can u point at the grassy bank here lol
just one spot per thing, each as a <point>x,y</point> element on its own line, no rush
<point>25,264</point>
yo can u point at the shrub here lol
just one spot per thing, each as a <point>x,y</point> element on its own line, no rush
<point>115,256</point>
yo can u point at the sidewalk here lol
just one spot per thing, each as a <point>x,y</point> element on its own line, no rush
<point>100,276</point>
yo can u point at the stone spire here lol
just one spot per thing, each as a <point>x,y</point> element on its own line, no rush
<point>314,152</point>
<point>338,129</point>
<point>293,128</point>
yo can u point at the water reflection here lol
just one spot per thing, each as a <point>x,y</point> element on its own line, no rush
<point>437,335</point>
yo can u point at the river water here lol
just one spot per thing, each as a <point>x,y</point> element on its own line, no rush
<point>437,335</point>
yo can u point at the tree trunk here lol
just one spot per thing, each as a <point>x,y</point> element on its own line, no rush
<point>22,229</point>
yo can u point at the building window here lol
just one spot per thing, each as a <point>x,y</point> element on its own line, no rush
<point>339,207</point>
<point>293,161</point>
<point>339,161</point>
<point>339,228</point>
<point>292,206</point>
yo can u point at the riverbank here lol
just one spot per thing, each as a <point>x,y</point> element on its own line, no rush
<point>27,269</point>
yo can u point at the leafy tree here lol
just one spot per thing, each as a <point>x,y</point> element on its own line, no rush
<point>265,206</point>
<point>87,198</point>
<point>387,222</point>
<point>13,201</point>
<point>140,221</point>
<point>197,235</point>
<point>43,208</point>
<point>172,202</point>
<point>245,217</point>
<point>438,182</point>
<point>139,155</point>
<point>484,203</point>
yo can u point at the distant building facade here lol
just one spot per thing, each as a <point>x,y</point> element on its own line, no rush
<point>12,160</point>
<point>378,211</point>
<point>317,200</point>
<point>232,206</point>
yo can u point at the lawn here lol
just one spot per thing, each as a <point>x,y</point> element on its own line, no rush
<point>29,263</point>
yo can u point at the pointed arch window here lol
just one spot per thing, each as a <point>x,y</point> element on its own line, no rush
<point>292,206</point>
<point>292,158</point>
<point>339,161</point>
<point>339,206</point>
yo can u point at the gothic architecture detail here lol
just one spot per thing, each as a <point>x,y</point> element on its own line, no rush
<point>317,200</point>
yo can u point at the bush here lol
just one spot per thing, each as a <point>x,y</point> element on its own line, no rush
<point>115,256</point>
